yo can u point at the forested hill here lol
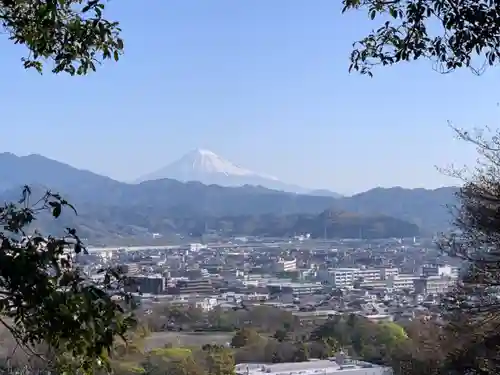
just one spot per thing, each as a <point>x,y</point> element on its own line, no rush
<point>113,209</point>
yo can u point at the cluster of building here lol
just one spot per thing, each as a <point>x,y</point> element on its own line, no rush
<point>385,279</point>
<point>431,278</point>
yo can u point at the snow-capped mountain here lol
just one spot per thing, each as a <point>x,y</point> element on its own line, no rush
<point>209,168</point>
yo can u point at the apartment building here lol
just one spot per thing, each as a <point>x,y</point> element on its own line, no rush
<point>434,284</point>
<point>395,283</point>
<point>199,286</point>
<point>129,268</point>
<point>338,277</point>
<point>285,265</point>
<point>346,277</point>
<point>294,288</point>
<point>149,284</point>
<point>439,270</point>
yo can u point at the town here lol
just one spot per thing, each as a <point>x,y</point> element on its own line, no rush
<point>393,279</point>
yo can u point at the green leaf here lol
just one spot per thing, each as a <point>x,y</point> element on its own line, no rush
<point>464,30</point>
<point>56,211</point>
<point>71,33</point>
<point>70,313</point>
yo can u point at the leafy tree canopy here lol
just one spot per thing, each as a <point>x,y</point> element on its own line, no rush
<point>72,34</point>
<point>244,336</point>
<point>450,33</point>
<point>46,300</point>
<point>472,308</point>
<point>393,330</point>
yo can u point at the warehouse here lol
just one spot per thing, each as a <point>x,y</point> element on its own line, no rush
<point>338,365</point>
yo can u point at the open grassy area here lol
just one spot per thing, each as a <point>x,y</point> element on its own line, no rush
<point>155,340</point>
<point>160,339</point>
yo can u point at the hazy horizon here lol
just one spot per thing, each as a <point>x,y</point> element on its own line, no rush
<point>134,180</point>
<point>263,84</point>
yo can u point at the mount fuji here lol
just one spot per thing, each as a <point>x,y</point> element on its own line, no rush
<point>211,169</point>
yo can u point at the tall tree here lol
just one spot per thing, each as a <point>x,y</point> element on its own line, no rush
<point>219,360</point>
<point>44,299</point>
<point>472,308</point>
<point>452,34</point>
<point>301,353</point>
<point>244,337</point>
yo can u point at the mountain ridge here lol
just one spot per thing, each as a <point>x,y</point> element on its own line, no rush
<point>170,205</point>
<point>200,161</point>
<point>206,166</point>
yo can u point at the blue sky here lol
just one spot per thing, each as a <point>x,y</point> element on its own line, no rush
<point>262,83</point>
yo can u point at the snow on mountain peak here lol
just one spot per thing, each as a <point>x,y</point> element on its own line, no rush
<point>207,167</point>
<point>204,152</point>
<point>203,161</point>
<point>200,163</point>
<point>206,161</point>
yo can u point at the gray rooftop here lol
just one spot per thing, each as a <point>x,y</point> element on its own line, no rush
<point>313,367</point>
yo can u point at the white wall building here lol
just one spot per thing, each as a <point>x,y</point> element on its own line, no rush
<point>285,265</point>
<point>194,247</point>
<point>338,277</point>
<point>333,366</point>
<point>345,277</point>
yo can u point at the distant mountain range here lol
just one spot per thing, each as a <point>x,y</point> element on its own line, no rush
<point>110,210</point>
<point>209,168</point>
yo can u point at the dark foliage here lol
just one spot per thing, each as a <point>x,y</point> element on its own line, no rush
<point>72,34</point>
<point>336,225</point>
<point>429,209</point>
<point>45,300</point>
<point>472,309</point>
<point>451,34</point>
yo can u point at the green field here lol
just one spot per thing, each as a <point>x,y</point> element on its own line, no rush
<point>160,339</point>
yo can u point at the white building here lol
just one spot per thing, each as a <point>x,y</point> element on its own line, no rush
<point>195,247</point>
<point>388,272</point>
<point>338,277</point>
<point>345,277</point>
<point>203,303</point>
<point>333,366</point>
<point>401,282</point>
<point>368,274</point>
<point>436,270</point>
<point>393,283</point>
<point>285,265</point>
<point>440,270</point>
